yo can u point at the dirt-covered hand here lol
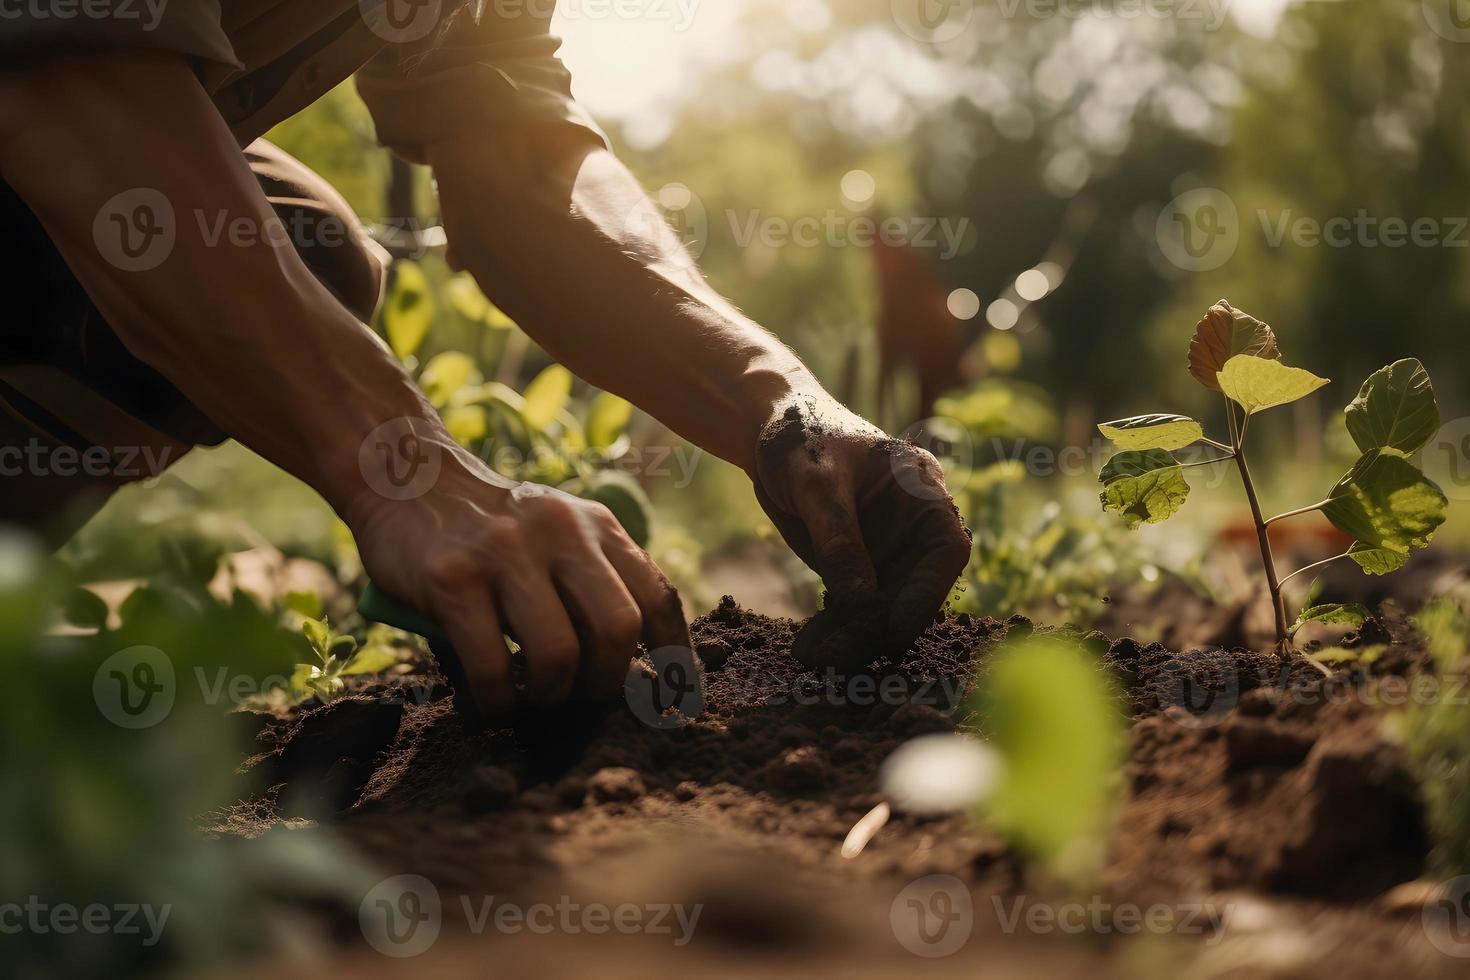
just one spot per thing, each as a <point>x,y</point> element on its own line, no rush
<point>487,556</point>
<point>871,515</point>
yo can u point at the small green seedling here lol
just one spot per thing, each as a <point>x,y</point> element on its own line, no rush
<point>1384,502</point>
<point>338,657</point>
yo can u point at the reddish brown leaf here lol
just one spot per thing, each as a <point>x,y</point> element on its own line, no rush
<point>1223,333</point>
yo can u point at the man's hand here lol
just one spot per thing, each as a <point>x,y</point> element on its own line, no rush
<point>871,515</point>
<point>486,556</point>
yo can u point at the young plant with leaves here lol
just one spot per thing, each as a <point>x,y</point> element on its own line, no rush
<point>338,657</point>
<point>1383,502</point>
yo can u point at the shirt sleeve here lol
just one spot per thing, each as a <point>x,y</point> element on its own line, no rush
<point>499,74</point>
<point>186,27</point>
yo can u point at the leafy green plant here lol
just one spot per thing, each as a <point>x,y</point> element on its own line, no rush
<point>541,434</point>
<point>1051,714</point>
<point>338,656</point>
<point>1384,502</point>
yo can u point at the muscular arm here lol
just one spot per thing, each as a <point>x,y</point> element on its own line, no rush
<point>245,331</point>
<point>564,238</point>
<point>560,234</point>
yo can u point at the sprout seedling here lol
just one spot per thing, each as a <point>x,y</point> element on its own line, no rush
<point>1383,502</point>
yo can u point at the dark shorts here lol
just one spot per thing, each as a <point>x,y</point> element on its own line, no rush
<point>66,380</point>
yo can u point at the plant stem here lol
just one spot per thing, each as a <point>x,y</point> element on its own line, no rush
<point>1283,640</point>
<point>1207,462</point>
<point>1315,564</point>
<point>1217,445</point>
<point>1296,513</point>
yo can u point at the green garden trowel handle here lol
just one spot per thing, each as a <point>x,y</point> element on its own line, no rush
<point>379,607</point>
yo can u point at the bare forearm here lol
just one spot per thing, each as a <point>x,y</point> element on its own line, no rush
<point>237,322</point>
<point>621,303</point>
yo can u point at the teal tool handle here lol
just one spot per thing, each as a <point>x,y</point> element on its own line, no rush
<point>378,606</point>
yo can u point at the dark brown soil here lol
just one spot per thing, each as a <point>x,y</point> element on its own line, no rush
<point>1261,799</point>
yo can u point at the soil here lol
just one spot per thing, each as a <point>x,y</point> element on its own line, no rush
<point>1265,814</point>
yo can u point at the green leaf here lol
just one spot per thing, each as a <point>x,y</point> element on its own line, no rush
<point>409,312</point>
<point>1223,333</point>
<point>1144,487</point>
<point>84,608</point>
<point>1050,712</point>
<point>1154,432</point>
<point>1386,504</point>
<point>1333,614</point>
<point>496,320</point>
<point>446,375</point>
<point>370,660</point>
<point>308,604</point>
<point>1395,409</point>
<point>1256,384</point>
<point>622,495</point>
<point>1359,655</point>
<point>319,635</point>
<point>546,396</point>
<point>607,419</point>
<point>1377,561</point>
<point>468,424</point>
<point>465,297</point>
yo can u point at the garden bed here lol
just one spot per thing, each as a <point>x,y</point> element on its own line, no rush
<point>1268,826</point>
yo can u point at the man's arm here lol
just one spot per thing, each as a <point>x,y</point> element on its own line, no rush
<point>561,236</point>
<point>245,331</point>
